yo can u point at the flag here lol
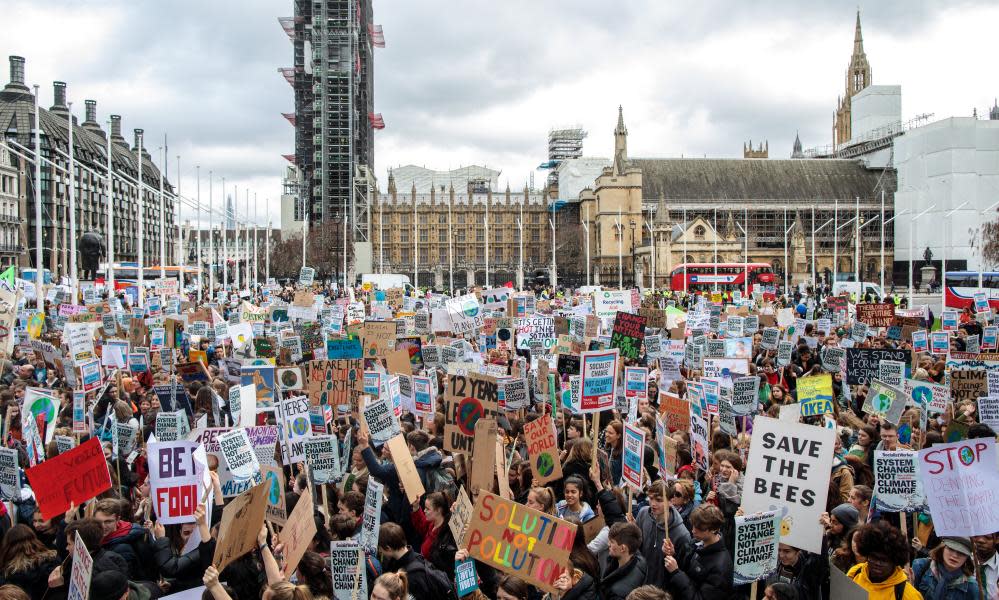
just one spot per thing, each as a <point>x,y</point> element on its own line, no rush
<point>9,278</point>
<point>377,122</point>
<point>377,36</point>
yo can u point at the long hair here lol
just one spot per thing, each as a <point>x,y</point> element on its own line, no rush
<point>21,550</point>
<point>936,555</point>
<point>580,555</point>
<point>315,572</point>
<point>285,590</point>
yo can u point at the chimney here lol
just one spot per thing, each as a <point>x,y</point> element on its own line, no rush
<point>17,75</point>
<point>91,111</point>
<point>116,128</point>
<point>59,94</point>
<point>138,133</point>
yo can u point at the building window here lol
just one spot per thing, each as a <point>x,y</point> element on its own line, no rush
<point>442,219</point>
<point>699,232</point>
<point>404,255</point>
<point>480,254</point>
<point>442,235</point>
<point>480,234</point>
<point>442,256</point>
<point>498,234</point>
<point>403,235</point>
<point>404,218</point>
<point>535,234</point>
<point>498,255</point>
<point>460,235</point>
<point>461,218</point>
<point>424,234</point>
<point>423,219</point>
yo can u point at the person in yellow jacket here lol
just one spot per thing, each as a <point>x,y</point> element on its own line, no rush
<point>882,575</point>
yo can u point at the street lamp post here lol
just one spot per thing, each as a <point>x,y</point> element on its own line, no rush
<point>787,231</point>
<point>884,223</point>
<point>814,231</point>
<point>943,259</point>
<point>745,250</point>
<point>634,279</point>
<point>620,259</point>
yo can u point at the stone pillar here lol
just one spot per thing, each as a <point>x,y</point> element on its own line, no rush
<point>469,278</point>
<point>439,277</point>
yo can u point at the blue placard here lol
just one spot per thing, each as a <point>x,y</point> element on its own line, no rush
<point>343,348</point>
<point>465,578</point>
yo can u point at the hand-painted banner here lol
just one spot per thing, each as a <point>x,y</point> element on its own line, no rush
<point>960,480</point>
<point>542,450</point>
<point>72,477</point>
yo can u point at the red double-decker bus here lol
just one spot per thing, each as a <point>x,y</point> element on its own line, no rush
<point>724,277</point>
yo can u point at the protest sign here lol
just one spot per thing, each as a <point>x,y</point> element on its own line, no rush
<point>294,425</point>
<point>892,372</point>
<point>730,368</point>
<point>467,398</point>
<point>627,334</point>
<point>771,335</point>
<point>241,522</point>
<point>636,382</point>
<point>598,380</point>
<point>498,535</point>
<point>699,449</point>
<point>347,563</point>
<point>338,383</point>
<point>896,482</point>
<point>881,314</point>
<point>885,401</point>
<point>380,418</point>
<point>815,394</point>
<point>406,467</point>
<point>940,342</point>
<point>239,457</point>
<point>298,532</point>
<point>72,477</point>
<point>276,511</point>
<point>968,384</point>
<point>322,455</point>
<point>756,539</point>
<point>784,350</point>
<point>171,426</point>
<point>461,514</point>
<point>372,517</point>
<point>515,393</point>
<point>788,471</point>
<point>483,455</point>
<point>176,480</point>
<point>988,411</point>
<point>10,488</point>
<point>745,395</point>
<point>931,397</point>
<point>960,480</point>
<point>542,450</point>
<point>535,333</point>
<point>607,303</point>
<point>675,410</point>
<point>465,313</point>
<point>423,395</point>
<point>634,452</point>
<point>465,578</point>
<point>832,359</point>
<point>83,568</point>
<point>919,341</point>
<point>862,364</point>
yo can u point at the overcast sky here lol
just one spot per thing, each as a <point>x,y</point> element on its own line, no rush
<point>474,82</point>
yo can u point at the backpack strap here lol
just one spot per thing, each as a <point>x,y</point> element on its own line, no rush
<point>900,589</point>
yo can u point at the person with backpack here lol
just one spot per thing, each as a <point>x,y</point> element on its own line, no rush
<point>397,508</point>
<point>949,573</point>
<point>425,580</point>
<point>887,551</point>
<point>429,464</point>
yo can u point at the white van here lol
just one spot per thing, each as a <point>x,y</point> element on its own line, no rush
<point>858,290</point>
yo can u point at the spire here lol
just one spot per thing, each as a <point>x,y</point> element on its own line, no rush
<point>662,213</point>
<point>796,151</point>
<point>620,143</point>
<point>391,182</point>
<point>994,111</point>
<point>858,37</point>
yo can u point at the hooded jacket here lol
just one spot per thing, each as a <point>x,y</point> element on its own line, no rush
<point>884,590</point>
<point>653,534</point>
<point>707,576</point>
<point>427,460</point>
<point>584,589</point>
<point>32,577</point>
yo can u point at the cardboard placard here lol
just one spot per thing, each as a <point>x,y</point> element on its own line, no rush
<point>897,487</point>
<point>277,510</point>
<point>960,480</point>
<point>483,456</point>
<point>241,522</point>
<point>461,514</point>
<point>876,314</point>
<point>406,468</point>
<point>498,536</point>
<point>467,398</point>
<point>542,450</point>
<point>298,532</point>
<point>756,540</point>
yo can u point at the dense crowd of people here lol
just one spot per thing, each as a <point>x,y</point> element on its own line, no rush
<point>673,537</point>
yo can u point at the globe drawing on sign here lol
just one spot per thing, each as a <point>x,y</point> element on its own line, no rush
<point>300,426</point>
<point>469,412</point>
<point>289,378</point>
<point>922,395</point>
<point>273,489</point>
<point>44,405</point>
<point>966,456</point>
<point>881,403</point>
<point>470,308</point>
<point>545,464</point>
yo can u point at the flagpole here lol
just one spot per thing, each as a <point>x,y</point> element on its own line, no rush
<point>110,218</point>
<point>211,225</point>
<point>224,228</point>
<point>74,281</point>
<point>267,253</point>
<point>246,242</point>
<point>201,290</point>
<point>141,263</point>
<point>256,243</point>
<point>162,215</point>
<point>182,259</point>
<point>39,267</point>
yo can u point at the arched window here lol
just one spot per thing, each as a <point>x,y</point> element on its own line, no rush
<point>699,232</point>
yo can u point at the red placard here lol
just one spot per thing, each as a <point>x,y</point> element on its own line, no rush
<point>75,476</point>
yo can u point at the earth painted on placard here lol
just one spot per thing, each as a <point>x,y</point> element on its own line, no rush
<point>881,403</point>
<point>274,490</point>
<point>545,464</point>
<point>469,412</point>
<point>300,426</point>
<point>289,378</point>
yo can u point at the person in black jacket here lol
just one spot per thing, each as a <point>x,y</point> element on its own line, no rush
<point>91,532</point>
<point>26,561</point>
<point>625,540</point>
<point>183,571</point>
<point>708,573</point>
<point>397,508</point>
<point>425,580</point>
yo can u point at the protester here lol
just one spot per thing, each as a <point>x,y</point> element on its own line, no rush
<point>949,572</point>
<point>886,552</point>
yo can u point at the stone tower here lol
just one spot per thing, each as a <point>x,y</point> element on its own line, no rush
<point>858,77</point>
<point>761,151</point>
